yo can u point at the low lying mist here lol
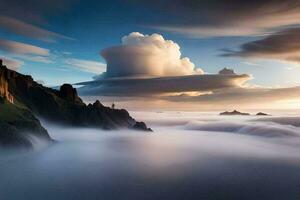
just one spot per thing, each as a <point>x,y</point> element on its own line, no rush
<point>263,129</point>
<point>188,156</point>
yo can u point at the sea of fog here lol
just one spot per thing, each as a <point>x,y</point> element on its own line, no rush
<point>190,155</point>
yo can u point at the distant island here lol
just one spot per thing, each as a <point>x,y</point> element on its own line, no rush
<point>262,114</point>
<point>235,112</point>
<point>22,99</point>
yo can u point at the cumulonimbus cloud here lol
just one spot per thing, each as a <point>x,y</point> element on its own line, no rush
<point>147,55</point>
<point>149,65</point>
<point>222,89</point>
<point>283,45</point>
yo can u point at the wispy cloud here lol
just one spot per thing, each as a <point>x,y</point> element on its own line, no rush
<point>40,59</point>
<point>29,30</point>
<point>11,63</point>
<point>22,48</point>
<point>86,65</point>
<point>24,51</point>
<point>252,64</point>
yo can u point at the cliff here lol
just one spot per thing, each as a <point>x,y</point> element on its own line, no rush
<point>18,125</point>
<point>64,106</point>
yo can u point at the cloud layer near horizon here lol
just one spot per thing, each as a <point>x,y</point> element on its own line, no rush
<point>147,55</point>
<point>242,96</point>
<point>161,85</point>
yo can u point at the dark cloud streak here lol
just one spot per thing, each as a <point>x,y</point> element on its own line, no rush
<point>28,30</point>
<point>30,18</point>
<point>34,11</point>
<point>211,18</point>
<point>283,45</point>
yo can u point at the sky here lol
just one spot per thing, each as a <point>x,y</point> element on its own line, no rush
<point>169,52</point>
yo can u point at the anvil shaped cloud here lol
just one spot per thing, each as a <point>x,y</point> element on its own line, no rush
<point>161,85</point>
<point>150,65</point>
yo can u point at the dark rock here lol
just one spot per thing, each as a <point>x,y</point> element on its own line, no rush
<point>227,71</point>
<point>141,126</point>
<point>67,92</point>
<point>97,104</point>
<point>235,112</point>
<point>262,114</point>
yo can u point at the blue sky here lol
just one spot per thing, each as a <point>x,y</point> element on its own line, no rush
<point>97,25</point>
<point>60,41</point>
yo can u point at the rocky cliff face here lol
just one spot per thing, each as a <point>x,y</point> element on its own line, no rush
<point>64,106</point>
<point>4,77</point>
<point>18,125</point>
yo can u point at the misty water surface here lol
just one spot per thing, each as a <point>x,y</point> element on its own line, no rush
<point>189,156</point>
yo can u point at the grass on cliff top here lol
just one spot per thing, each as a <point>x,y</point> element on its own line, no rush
<point>11,112</point>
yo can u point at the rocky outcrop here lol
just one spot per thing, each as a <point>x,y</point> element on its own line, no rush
<point>262,114</point>
<point>235,112</point>
<point>141,126</point>
<point>69,93</point>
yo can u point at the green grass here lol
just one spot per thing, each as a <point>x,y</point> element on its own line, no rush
<point>12,112</point>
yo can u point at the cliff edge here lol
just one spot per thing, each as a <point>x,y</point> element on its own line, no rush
<point>22,98</point>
